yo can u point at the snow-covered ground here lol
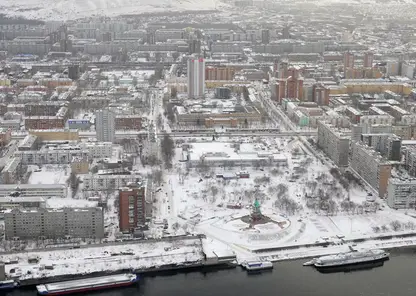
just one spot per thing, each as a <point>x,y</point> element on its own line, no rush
<point>73,9</point>
<point>138,255</point>
<point>306,200</point>
<point>58,203</point>
<point>50,174</point>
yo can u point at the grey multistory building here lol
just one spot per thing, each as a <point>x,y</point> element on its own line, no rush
<point>54,223</point>
<point>105,125</point>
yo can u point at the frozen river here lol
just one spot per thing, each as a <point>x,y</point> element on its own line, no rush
<point>290,278</point>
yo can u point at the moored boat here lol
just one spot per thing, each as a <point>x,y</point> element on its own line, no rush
<point>257,265</point>
<point>351,258</point>
<point>8,284</point>
<point>88,284</point>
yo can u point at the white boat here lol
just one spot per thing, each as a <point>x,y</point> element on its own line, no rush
<point>310,262</point>
<point>257,265</point>
<point>351,258</point>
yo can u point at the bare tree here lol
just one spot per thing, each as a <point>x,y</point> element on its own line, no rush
<point>159,120</point>
<point>395,225</point>
<point>168,150</point>
<point>157,176</point>
<point>376,229</point>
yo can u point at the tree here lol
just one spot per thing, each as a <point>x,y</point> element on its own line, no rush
<point>159,120</point>
<point>173,92</point>
<point>167,149</point>
<point>73,182</point>
<point>170,113</point>
<point>157,176</point>
<point>395,225</point>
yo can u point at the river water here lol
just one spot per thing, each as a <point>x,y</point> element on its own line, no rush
<point>289,278</point>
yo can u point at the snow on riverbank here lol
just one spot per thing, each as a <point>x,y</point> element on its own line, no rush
<point>140,255</point>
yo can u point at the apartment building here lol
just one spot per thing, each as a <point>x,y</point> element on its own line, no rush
<point>44,122</point>
<point>54,223</point>
<point>128,122</point>
<point>80,165</point>
<point>371,167</point>
<point>410,160</point>
<point>11,171</point>
<point>50,156</point>
<point>334,143</point>
<point>401,193</point>
<point>132,207</point>
<point>219,73</point>
<point>384,119</point>
<point>98,149</point>
<point>5,136</point>
<point>30,142</point>
<point>105,125</point>
<point>30,190</point>
<point>106,182</point>
<point>389,145</point>
<point>9,202</point>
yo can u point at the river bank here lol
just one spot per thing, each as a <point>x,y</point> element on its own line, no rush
<point>288,277</point>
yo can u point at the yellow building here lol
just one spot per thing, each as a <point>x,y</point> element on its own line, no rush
<point>56,135</point>
<point>5,82</point>
<point>351,87</point>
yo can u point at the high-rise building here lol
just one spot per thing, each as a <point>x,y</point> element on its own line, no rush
<point>265,36</point>
<point>132,208</point>
<point>373,168</point>
<point>368,60</point>
<point>285,32</point>
<point>320,94</point>
<point>194,46</point>
<point>105,125</point>
<point>335,144</point>
<point>348,60</point>
<point>196,77</point>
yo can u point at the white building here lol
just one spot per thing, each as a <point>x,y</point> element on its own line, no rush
<point>385,119</point>
<point>196,77</point>
<point>401,193</point>
<point>97,182</point>
<point>50,156</point>
<point>105,125</point>
<point>98,149</point>
<point>30,190</point>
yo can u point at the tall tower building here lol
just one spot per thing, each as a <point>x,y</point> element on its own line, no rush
<point>196,77</point>
<point>105,125</point>
<point>348,60</point>
<point>368,60</point>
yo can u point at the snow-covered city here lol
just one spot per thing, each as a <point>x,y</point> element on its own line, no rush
<point>177,135</point>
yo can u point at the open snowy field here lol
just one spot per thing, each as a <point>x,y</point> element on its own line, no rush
<point>50,174</point>
<point>73,9</point>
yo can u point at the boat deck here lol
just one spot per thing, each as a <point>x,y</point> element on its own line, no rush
<point>90,281</point>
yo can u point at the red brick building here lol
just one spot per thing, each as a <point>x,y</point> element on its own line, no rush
<point>128,122</point>
<point>44,122</point>
<point>219,73</point>
<point>5,137</point>
<point>132,208</point>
